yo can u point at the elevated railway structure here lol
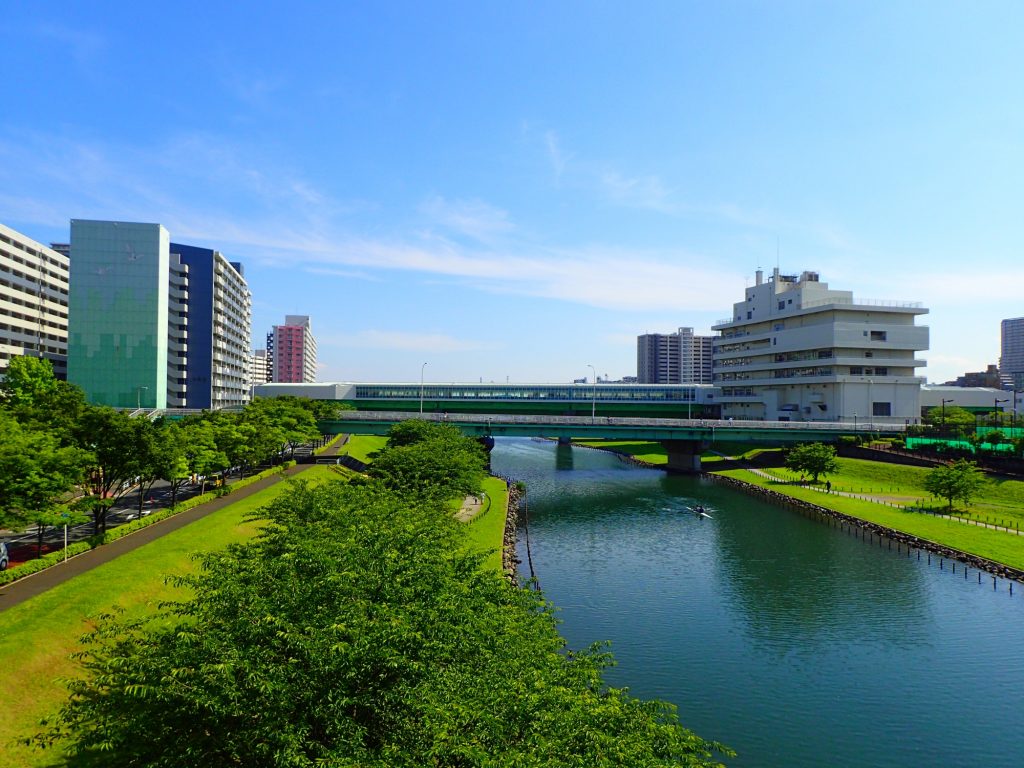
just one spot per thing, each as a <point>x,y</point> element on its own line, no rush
<point>684,439</point>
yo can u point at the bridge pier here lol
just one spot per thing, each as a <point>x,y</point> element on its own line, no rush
<point>683,455</point>
<point>565,441</point>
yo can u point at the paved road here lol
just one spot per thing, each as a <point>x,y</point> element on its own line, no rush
<point>30,586</point>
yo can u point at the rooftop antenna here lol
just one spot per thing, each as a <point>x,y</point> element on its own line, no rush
<point>776,251</point>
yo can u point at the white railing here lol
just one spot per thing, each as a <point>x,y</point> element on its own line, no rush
<point>495,420</point>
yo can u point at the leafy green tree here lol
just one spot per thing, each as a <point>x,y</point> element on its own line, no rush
<point>429,458</point>
<point>111,437</point>
<point>357,631</point>
<point>54,517</point>
<point>36,472</point>
<point>813,458</point>
<point>288,417</point>
<point>26,381</point>
<point>203,456</point>
<point>952,419</point>
<point>172,457</point>
<point>960,480</point>
<point>33,395</point>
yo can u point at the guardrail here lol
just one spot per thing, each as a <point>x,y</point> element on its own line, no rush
<point>623,421</point>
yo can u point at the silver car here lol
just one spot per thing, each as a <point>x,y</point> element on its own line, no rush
<point>4,557</point>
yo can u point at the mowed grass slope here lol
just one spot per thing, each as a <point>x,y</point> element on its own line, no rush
<point>1000,546</point>
<point>37,636</point>
<point>486,531</point>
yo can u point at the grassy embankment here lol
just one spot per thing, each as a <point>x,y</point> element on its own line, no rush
<point>37,636</point>
<point>654,453</point>
<point>1000,501</point>
<point>1000,546</point>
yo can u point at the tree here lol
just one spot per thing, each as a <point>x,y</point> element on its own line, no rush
<point>32,394</point>
<point>952,418</point>
<point>358,630</point>
<point>813,458</point>
<point>428,458</point>
<point>203,455</point>
<point>961,480</point>
<point>53,517</point>
<point>110,436</point>
<point>36,472</point>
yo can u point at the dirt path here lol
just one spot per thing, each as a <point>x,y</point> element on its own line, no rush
<point>37,583</point>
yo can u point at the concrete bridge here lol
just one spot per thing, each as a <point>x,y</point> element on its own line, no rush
<point>684,439</point>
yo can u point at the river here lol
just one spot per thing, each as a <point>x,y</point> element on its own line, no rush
<point>791,641</point>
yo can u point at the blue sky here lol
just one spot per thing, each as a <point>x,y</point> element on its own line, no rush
<point>516,190</point>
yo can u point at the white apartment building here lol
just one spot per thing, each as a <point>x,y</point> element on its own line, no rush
<point>33,301</point>
<point>794,350</point>
<point>674,358</point>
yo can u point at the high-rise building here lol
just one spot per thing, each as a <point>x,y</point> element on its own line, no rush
<point>291,349</point>
<point>33,301</point>
<point>673,358</point>
<point>259,368</point>
<point>1011,354</point>
<point>219,328</point>
<point>794,350</point>
<point>154,328</point>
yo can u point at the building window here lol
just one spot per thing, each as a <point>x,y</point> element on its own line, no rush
<point>878,335</point>
<point>782,305</point>
<point>856,370</point>
<point>881,409</point>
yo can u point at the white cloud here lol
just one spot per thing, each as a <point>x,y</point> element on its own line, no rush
<point>471,218</point>
<point>401,340</point>
<point>556,155</point>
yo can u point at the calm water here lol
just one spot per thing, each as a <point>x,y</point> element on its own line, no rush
<point>788,640</point>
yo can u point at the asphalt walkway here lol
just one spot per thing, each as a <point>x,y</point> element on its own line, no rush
<point>28,587</point>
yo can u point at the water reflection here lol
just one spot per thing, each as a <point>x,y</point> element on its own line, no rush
<point>791,641</point>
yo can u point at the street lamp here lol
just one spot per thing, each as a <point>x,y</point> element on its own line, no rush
<point>944,414</point>
<point>138,397</point>
<point>423,368</point>
<point>593,399</point>
<point>995,410</point>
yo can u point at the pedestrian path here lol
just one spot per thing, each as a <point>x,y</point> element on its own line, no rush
<point>28,587</point>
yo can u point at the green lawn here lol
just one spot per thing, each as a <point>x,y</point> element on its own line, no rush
<point>654,452</point>
<point>486,531</point>
<point>994,545</point>
<point>361,446</point>
<point>37,635</point>
<point>651,452</point>
<point>999,500</point>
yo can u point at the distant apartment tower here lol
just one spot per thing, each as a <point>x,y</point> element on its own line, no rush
<point>155,324</point>
<point>794,350</point>
<point>291,351</point>
<point>673,358</point>
<point>33,301</point>
<point>1011,354</point>
<point>259,368</point>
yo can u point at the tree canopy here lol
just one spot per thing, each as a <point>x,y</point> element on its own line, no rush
<point>356,631</point>
<point>959,481</point>
<point>813,458</point>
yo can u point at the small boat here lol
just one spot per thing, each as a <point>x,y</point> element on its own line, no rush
<point>699,511</point>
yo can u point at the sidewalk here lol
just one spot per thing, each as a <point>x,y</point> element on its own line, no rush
<point>37,583</point>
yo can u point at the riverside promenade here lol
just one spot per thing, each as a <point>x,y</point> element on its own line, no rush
<point>35,584</point>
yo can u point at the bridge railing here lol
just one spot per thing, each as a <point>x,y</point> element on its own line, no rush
<point>498,419</point>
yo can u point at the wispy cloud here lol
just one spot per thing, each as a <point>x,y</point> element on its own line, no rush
<point>556,155</point>
<point>638,192</point>
<point>82,45</point>
<point>401,340</point>
<point>470,218</point>
<point>275,217</point>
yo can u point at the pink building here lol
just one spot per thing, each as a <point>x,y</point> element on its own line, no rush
<point>291,350</point>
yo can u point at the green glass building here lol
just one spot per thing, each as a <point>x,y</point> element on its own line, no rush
<point>118,313</point>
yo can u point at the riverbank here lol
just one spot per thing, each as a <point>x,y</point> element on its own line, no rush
<point>998,553</point>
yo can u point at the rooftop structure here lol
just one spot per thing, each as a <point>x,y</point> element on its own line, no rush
<point>795,350</point>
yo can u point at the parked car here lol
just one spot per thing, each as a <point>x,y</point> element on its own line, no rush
<point>4,557</point>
